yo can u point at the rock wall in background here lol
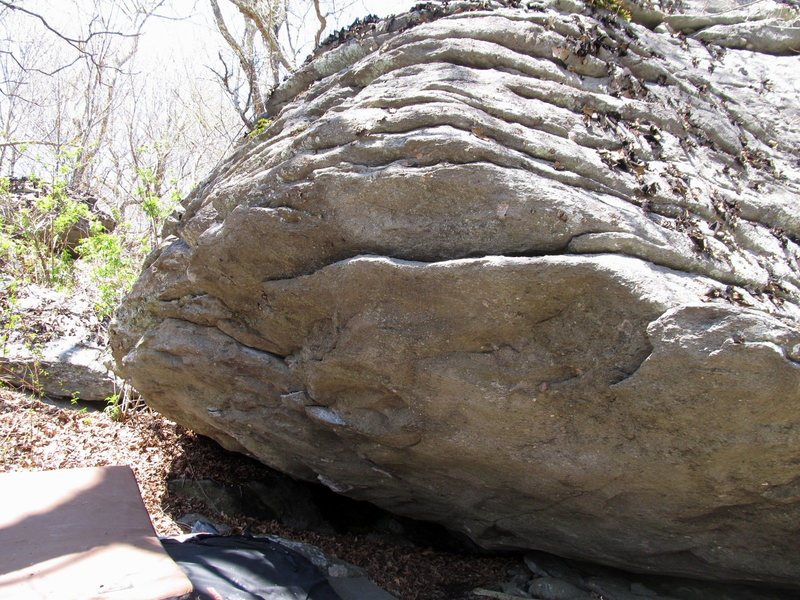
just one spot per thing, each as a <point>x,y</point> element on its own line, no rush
<point>529,272</point>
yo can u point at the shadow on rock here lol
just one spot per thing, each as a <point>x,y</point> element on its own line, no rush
<point>206,481</point>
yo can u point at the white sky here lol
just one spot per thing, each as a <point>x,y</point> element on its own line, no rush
<point>188,33</point>
<point>194,34</point>
<point>172,67</point>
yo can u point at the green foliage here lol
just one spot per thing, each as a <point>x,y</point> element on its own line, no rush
<point>8,246</point>
<point>35,180</point>
<point>69,213</point>
<point>34,242</point>
<point>260,127</point>
<point>156,207</point>
<point>33,235</point>
<point>62,270</point>
<point>113,269</point>
<point>114,408</point>
<point>615,6</point>
<point>151,205</point>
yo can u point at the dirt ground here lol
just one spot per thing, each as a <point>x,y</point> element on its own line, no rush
<point>35,435</point>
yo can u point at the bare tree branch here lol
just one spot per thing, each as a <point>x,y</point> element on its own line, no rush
<point>78,44</point>
<point>323,23</point>
<point>246,61</point>
<point>233,92</point>
<point>29,143</point>
<point>267,30</point>
<point>75,42</point>
<point>90,146</point>
<point>289,42</point>
<point>34,70</point>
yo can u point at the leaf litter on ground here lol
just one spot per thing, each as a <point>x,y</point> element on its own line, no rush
<point>37,435</point>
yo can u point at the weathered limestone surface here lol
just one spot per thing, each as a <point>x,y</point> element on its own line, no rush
<point>532,273</point>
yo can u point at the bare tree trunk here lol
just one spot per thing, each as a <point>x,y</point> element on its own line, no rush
<point>247,61</point>
<point>323,23</point>
<point>268,22</point>
<point>91,144</point>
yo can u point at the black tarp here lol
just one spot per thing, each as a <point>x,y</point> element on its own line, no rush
<point>247,568</point>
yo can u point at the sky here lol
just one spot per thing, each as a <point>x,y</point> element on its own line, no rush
<point>191,32</point>
<point>186,29</point>
<point>170,80</point>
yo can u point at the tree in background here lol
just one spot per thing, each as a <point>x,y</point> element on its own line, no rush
<point>82,114</point>
<point>274,36</point>
<point>79,102</point>
<point>64,94</point>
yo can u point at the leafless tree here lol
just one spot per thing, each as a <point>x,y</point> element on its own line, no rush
<point>104,63</point>
<point>64,116</point>
<point>253,102</point>
<point>264,60</point>
<point>83,107</point>
<point>80,45</point>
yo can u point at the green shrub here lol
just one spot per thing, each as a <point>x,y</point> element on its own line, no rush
<point>615,6</point>
<point>33,236</point>
<point>112,268</point>
<point>113,408</point>
<point>260,127</point>
<point>155,206</point>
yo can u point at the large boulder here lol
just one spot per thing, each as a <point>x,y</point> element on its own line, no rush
<point>531,273</point>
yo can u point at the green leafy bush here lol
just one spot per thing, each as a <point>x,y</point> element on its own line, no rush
<point>155,206</point>
<point>112,268</point>
<point>33,245</point>
<point>260,127</point>
<point>114,408</point>
<point>33,235</point>
<point>615,6</point>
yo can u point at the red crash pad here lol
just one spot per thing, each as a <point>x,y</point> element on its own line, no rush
<point>80,534</point>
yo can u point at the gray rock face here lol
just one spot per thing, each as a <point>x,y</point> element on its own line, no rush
<point>547,577</point>
<point>68,368</point>
<point>532,274</point>
<point>53,345</point>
